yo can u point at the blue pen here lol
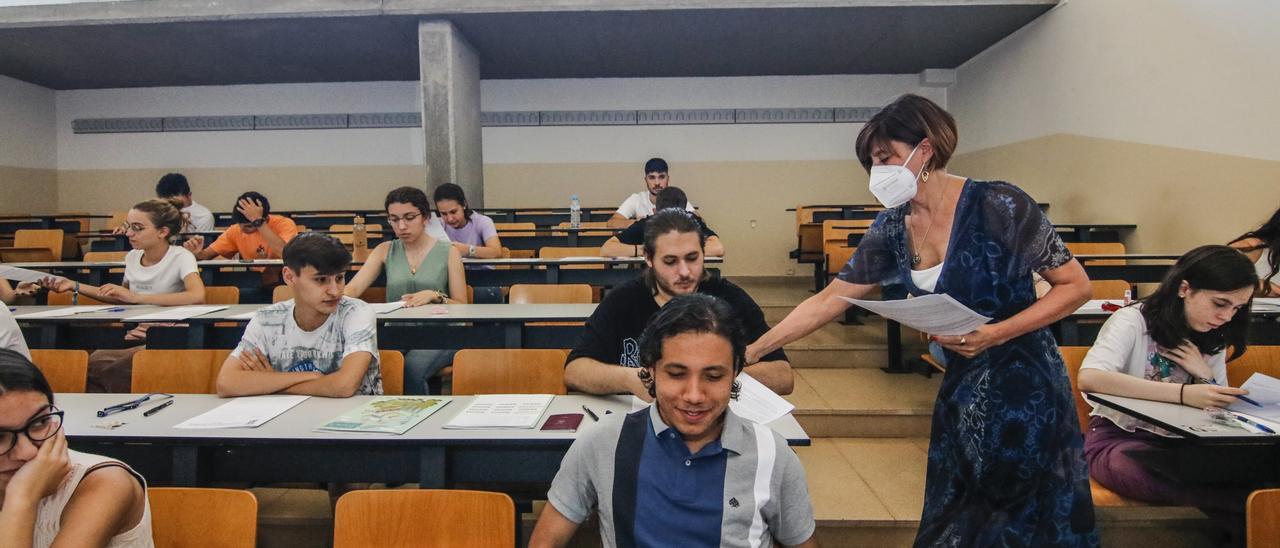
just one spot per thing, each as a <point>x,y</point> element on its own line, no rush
<point>1242,398</point>
<point>1254,423</point>
<point>116,309</point>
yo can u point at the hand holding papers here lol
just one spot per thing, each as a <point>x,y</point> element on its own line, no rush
<point>936,314</point>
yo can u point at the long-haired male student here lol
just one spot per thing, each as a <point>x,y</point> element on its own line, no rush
<point>685,471</point>
<point>319,343</point>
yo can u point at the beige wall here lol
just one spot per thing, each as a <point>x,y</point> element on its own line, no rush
<point>1179,198</point>
<point>27,190</point>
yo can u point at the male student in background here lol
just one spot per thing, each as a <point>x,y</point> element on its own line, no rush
<point>319,343</point>
<point>174,185</point>
<point>685,471</point>
<point>628,242</point>
<point>606,356</point>
<point>256,234</point>
<point>643,204</point>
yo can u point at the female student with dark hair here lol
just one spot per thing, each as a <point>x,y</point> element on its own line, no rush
<point>49,494</point>
<point>1171,347</point>
<point>155,272</point>
<point>1006,460</point>
<point>1262,245</point>
<point>420,269</point>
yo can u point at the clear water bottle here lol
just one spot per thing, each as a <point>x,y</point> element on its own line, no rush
<point>575,212</point>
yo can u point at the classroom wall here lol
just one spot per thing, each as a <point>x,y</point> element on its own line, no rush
<point>1158,113</point>
<point>736,173</point>
<point>28,164</point>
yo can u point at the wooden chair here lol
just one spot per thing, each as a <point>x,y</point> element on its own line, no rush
<point>177,371</point>
<point>118,219</point>
<point>1098,248</point>
<point>204,517</point>
<point>1074,356</point>
<point>509,371</point>
<point>345,233</point>
<point>550,252</point>
<point>221,294</point>
<point>64,299</point>
<point>371,295</point>
<point>1256,359</point>
<point>1262,518</point>
<point>104,256</point>
<point>590,224</point>
<point>81,217</point>
<point>49,238</point>
<point>501,227</point>
<point>391,364</point>
<point>550,294</point>
<point>1110,289</point>
<point>836,250</point>
<point>66,370</point>
<point>14,254</point>
<point>442,518</point>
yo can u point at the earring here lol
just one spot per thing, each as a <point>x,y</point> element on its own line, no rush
<point>924,176</point>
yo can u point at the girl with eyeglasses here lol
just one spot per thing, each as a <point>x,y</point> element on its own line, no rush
<point>156,272</point>
<point>50,494</point>
<point>421,270</point>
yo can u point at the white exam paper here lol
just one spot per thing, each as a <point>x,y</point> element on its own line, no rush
<point>63,312</point>
<point>936,314</point>
<point>247,412</point>
<point>1266,304</point>
<point>1265,390</point>
<point>176,313</point>
<point>502,411</point>
<point>383,308</point>
<point>757,403</point>
<point>243,315</point>
<point>23,275</point>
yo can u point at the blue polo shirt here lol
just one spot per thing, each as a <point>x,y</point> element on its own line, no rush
<point>679,495</point>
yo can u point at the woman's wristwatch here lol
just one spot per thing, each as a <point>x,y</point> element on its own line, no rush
<point>471,251</point>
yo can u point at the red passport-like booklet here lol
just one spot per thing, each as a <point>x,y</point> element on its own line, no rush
<point>563,421</point>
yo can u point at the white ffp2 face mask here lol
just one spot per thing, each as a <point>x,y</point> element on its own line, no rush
<point>894,185</point>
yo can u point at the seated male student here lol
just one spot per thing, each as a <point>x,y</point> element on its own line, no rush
<point>605,358</point>
<point>685,471</point>
<point>256,234</point>
<point>627,243</point>
<point>319,343</point>
<point>174,185</point>
<point>644,203</point>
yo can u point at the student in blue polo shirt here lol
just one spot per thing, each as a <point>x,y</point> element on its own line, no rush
<point>684,471</point>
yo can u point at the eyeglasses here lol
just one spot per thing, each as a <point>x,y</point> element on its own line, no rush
<point>408,218</point>
<point>38,429</point>
<point>135,227</point>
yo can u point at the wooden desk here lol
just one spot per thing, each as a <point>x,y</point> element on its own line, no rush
<point>288,449</point>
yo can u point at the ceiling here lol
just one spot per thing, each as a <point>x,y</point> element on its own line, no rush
<point>886,38</point>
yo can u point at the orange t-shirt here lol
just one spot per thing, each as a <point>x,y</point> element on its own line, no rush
<point>254,246</point>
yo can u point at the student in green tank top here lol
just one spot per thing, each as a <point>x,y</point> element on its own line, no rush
<point>420,271</point>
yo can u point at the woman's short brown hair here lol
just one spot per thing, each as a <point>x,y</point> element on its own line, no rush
<point>909,119</point>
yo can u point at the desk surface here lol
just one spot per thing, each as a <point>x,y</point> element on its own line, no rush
<point>226,263</point>
<point>298,424</point>
<point>1180,419</point>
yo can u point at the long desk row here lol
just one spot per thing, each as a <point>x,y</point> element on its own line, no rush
<point>540,217</point>
<point>530,240</point>
<point>436,326</point>
<point>288,449</point>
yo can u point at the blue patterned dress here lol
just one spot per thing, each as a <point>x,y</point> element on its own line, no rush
<point>1006,461</point>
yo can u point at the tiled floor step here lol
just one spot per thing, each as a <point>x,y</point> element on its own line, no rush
<point>863,403</point>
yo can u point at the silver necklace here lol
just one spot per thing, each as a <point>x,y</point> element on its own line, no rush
<point>915,246</point>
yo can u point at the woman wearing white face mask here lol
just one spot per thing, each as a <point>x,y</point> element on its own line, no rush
<point>1006,463</point>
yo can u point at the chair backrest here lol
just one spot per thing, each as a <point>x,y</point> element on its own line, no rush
<point>177,371</point>
<point>514,226</point>
<point>81,217</point>
<point>550,252</point>
<point>391,364</point>
<point>1098,248</point>
<point>1262,516</point>
<point>1256,359</point>
<point>509,371</point>
<point>64,299</point>
<point>1110,289</point>
<point>47,238</point>
<point>104,256</point>
<point>371,295</point>
<point>205,517</point>
<point>66,370</point>
<point>839,231</point>
<point>118,218</point>
<point>442,518</point>
<point>589,224</point>
<point>550,294</point>
<point>221,294</point>
<point>27,255</point>
<point>1074,356</point>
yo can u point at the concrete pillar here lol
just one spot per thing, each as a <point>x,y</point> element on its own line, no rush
<point>450,72</point>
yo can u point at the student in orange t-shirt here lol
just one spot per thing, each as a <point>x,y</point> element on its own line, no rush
<point>257,234</point>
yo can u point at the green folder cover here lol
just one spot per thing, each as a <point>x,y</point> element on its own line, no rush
<point>387,414</point>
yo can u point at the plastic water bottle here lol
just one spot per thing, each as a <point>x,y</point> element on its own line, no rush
<point>1128,296</point>
<point>359,240</point>
<point>575,212</point>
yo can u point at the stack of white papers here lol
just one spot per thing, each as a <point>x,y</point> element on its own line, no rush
<point>936,314</point>
<point>1266,304</point>
<point>248,412</point>
<point>502,411</point>
<point>64,312</point>
<point>177,313</point>
<point>383,308</point>
<point>23,275</point>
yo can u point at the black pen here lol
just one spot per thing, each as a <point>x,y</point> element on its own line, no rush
<point>157,408</point>
<point>591,413</point>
